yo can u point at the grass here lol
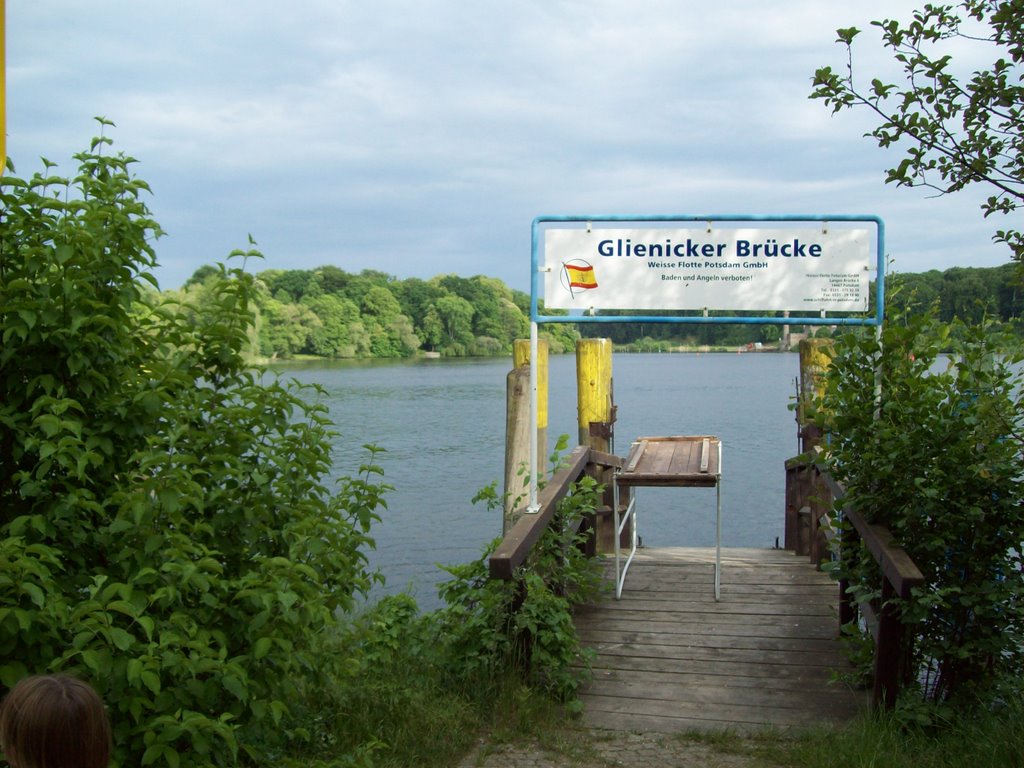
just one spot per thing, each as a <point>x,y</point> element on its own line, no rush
<point>393,693</point>
<point>406,716</point>
<point>912,738</point>
<point>915,738</point>
<point>972,739</point>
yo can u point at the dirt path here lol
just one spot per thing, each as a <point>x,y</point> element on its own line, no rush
<point>607,749</point>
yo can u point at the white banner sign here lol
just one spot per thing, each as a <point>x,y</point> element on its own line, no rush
<point>726,268</point>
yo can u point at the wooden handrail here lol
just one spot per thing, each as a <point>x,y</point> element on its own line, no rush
<point>515,547</point>
<point>895,563</point>
<point>900,576</point>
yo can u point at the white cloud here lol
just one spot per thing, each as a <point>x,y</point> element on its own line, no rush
<point>424,137</point>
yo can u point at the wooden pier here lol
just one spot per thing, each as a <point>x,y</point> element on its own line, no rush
<point>670,658</point>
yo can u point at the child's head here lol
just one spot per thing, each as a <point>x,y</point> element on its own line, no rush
<point>54,721</point>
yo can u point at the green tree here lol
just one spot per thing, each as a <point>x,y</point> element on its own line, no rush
<point>332,279</point>
<point>456,316</point>
<point>416,297</point>
<point>432,329</point>
<point>930,447</point>
<point>201,275</point>
<point>966,297</point>
<point>359,285</point>
<point>332,338</point>
<point>165,527</point>
<point>956,128</point>
<point>294,281</point>
<point>485,295</point>
<point>286,328</point>
<point>380,303</point>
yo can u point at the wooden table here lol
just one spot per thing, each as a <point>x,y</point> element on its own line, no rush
<point>680,461</point>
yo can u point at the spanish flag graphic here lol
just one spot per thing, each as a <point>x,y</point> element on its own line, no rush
<point>580,275</point>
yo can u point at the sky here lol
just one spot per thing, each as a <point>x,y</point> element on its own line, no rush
<point>422,138</point>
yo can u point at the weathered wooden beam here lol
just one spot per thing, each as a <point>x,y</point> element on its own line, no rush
<point>513,549</point>
<point>900,576</point>
<point>604,460</point>
<point>895,563</point>
<point>517,444</point>
<point>889,650</point>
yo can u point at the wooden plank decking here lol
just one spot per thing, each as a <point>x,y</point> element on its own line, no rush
<point>669,658</point>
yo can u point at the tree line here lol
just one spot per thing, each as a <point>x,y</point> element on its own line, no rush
<point>328,312</point>
<point>332,313</point>
<point>972,295</point>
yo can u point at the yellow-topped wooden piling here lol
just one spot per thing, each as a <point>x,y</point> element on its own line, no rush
<point>596,416</point>
<point>517,426</point>
<point>815,358</point>
<point>520,357</point>
<point>594,392</point>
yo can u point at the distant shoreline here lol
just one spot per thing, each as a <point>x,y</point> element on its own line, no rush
<point>624,349</point>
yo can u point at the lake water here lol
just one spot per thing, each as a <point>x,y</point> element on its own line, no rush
<point>442,425</point>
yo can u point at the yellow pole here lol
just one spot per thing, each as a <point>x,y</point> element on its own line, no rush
<point>594,390</point>
<point>594,401</point>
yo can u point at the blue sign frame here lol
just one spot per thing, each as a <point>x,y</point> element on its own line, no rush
<point>871,320</point>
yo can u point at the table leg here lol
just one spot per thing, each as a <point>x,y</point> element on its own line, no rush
<point>718,540</point>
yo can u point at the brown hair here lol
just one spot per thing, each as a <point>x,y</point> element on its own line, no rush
<point>54,721</point>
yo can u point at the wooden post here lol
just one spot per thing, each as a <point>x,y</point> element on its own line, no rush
<point>796,498</point>
<point>594,392</point>
<point>517,445</point>
<point>820,502</point>
<point>517,427</point>
<point>888,650</point>
<point>596,413</point>
<point>848,609</point>
<point>521,357</point>
<point>815,358</point>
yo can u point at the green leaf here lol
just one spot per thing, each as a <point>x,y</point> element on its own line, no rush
<point>34,593</point>
<point>133,671</point>
<point>236,687</point>
<point>151,680</point>
<point>147,625</point>
<point>94,661</point>
<point>846,35</point>
<point>262,647</point>
<point>121,639</point>
<point>151,754</point>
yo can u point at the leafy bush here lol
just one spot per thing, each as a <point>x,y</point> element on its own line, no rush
<point>398,687</point>
<point>936,458</point>
<point>166,530</point>
<point>525,624</point>
<point>382,696</point>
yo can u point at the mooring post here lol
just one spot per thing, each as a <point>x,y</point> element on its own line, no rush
<point>521,358</point>
<point>815,358</point>
<point>517,445</point>
<point>517,428</point>
<point>594,392</point>
<point>596,411</point>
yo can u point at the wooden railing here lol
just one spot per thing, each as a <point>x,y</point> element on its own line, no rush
<point>810,495</point>
<point>515,546</point>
